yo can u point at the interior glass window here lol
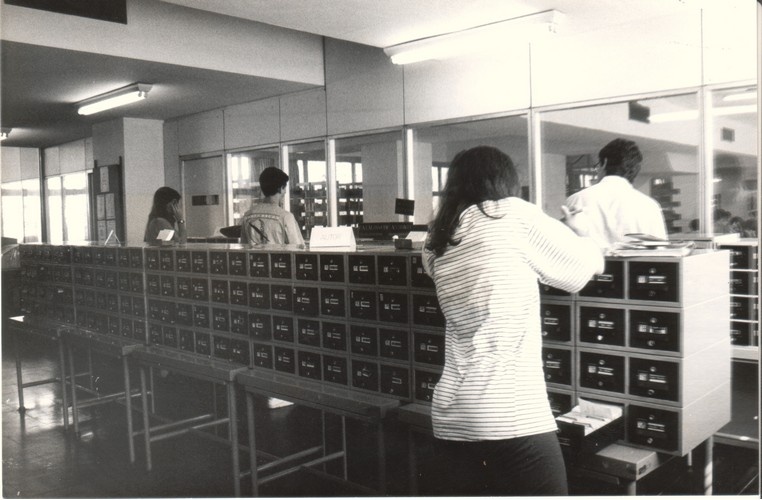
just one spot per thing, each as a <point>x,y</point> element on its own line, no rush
<point>369,177</point>
<point>308,181</point>
<point>435,146</point>
<point>13,205</point>
<point>32,210</point>
<point>244,169</point>
<point>76,207</point>
<point>667,131</point>
<point>732,120</point>
<point>54,208</point>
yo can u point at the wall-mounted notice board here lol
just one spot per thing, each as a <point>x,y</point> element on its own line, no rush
<point>107,202</point>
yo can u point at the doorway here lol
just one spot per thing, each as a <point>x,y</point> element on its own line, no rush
<point>203,196</point>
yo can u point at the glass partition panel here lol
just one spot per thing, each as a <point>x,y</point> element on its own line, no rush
<point>243,179</point>
<point>13,209</point>
<point>308,173</point>
<point>667,131</point>
<point>369,177</point>
<point>32,210</point>
<point>54,207</point>
<point>733,124</point>
<point>76,207</point>
<point>435,146</point>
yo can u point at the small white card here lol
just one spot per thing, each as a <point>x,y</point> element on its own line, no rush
<point>417,236</point>
<point>166,234</point>
<point>332,237</point>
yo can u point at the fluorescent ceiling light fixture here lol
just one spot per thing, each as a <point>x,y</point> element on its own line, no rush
<point>120,97</point>
<point>743,96</point>
<point>734,110</point>
<point>4,133</point>
<point>485,37</point>
<point>692,114</point>
<point>674,116</point>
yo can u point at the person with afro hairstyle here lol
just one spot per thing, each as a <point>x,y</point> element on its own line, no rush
<point>613,206</point>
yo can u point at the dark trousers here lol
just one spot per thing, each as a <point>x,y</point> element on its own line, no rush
<point>531,465</point>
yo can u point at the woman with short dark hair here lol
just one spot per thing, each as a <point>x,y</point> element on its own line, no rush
<point>486,250</point>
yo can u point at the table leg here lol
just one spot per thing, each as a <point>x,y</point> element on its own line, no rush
<point>153,389</point>
<point>233,433</point>
<point>74,409</point>
<point>252,444</point>
<point>146,421</point>
<point>381,446</point>
<point>631,488</point>
<point>323,437</point>
<point>412,463</point>
<point>215,410</point>
<point>19,375</point>
<point>345,462</point>
<point>128,404</point>
<point>703,470</point>
<point>90,368</point>
<point>62,370</point>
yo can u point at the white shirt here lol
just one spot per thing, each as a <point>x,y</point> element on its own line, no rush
<point>614,208</point>
<point>493,386</point>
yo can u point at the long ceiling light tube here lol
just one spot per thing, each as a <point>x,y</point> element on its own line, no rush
<point>693,114</point>
<point>488,36</point>
<point>744,96</point>
<point>120,97</point>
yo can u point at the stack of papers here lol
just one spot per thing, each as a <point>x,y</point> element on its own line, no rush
<point>639,245</point>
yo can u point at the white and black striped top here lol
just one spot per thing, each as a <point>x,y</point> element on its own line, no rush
<point>493,385</point>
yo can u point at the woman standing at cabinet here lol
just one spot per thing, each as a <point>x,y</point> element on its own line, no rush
<point>486,250</point>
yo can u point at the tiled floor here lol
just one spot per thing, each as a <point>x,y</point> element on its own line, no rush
<point>40,460</point>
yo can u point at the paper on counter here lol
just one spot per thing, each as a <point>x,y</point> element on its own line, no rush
<point>416,236</point>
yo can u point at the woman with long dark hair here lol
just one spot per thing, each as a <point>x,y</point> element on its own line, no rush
<point>486,251</point>
<point>165,214</point>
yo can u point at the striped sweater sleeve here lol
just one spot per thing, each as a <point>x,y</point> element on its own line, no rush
<point>561,258</point>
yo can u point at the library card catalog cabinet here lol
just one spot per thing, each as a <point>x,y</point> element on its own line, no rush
<point>651,335</point>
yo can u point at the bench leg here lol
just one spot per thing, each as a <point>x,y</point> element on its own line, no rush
<point>412,464</point>
<point>64,396</point>
<point>128,404</point>
<point>252,444</point>
<point>146,421</point>
<point>702,464</point>
<point>233,435</point>
<point>19,375</point>
<point>381,446</point>
<point>74,408</point>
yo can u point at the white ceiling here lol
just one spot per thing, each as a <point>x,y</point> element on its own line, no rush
<point>34,78</point>
<point>382,23</point>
